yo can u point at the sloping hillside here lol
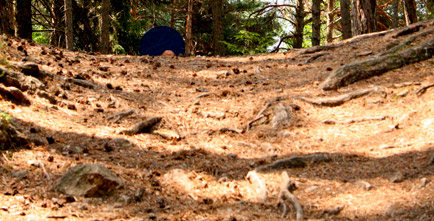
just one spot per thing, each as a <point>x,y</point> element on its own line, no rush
<point>220,119</point>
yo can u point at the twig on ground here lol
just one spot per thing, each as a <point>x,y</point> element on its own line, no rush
<point>117,117</point>
<point>261,191</point>
<point>286,188</point>
<point>350,121</point>
<point>314,57</point>
<point>423,89</point>
<point>260,115</point>
<point>339,100</point>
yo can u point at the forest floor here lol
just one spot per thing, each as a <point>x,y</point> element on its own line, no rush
<point>381,145</point>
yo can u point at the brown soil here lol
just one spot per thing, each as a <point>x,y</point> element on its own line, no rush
<point>201,176</point>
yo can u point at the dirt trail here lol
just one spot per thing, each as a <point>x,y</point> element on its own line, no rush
<point>380,145</point>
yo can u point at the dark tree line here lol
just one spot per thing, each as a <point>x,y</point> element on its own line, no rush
<point>209,27</point>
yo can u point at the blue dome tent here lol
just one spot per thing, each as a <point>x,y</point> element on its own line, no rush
<point>159,39</point>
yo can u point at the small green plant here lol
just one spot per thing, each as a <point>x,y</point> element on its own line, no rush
<point>5,116</point>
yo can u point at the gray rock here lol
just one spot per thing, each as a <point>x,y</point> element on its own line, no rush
<point>282,116</point>
<point>397,177</point>
<point>89,180</point>
<point>15,95</point>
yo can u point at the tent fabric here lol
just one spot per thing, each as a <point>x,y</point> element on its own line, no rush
<point>159,39</point>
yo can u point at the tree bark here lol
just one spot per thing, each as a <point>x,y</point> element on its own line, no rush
<point>217,26</point>
<point>57,37</point>
<point>395,15</point>
<point>69,35</point>
<point>299,26</point>
<point>346,19</point>
<point>316,22</point>
<point>365,20</point>
<point>6,12</point>
<point>330,20</point>
<point>23,17</point>
<point>105,25</point>
<point>189,29</point>
<point>410,12</point>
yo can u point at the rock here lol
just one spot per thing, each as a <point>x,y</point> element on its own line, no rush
<point>167,134</point>
<point>49,97</point>
<point>9,136</point>
<point>364,184</point>
<point>168,53</point>
<point>15,95</point>
<point>30,69</point>
<point>282,116</point>
<point>397,177</point>
<point>89,180</point>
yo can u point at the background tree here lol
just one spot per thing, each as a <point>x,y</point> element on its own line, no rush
<point>364,20</point>
<point>105,25</point>
<point>316,22</point>
<point>217,26</point>
<point>189,29</point>
<point>299,25</point>
<point>6,12</point>
<point>23,18</point>
<point>69,34</point>
<point>346,19</point>
<point>410,11</point>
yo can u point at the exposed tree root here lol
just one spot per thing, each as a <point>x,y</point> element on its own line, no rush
<point>286,188</point>
<point>144,126</point>
<point>294,162</point>
<point>339,100</point>
<point>405,43</point>
<point>260,115</point>
<point>375,66</point>
<point>314,57</point>
<point>117,117</point>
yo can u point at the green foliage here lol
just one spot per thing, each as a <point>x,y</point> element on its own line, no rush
<point>40,37</point>
<point>5,117</point>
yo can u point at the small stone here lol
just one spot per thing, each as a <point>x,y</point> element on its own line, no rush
<point>397,177</point>
<point>232,155</point>
<point>403,93</point>
<point>311,189</point>
<point>364,184</point>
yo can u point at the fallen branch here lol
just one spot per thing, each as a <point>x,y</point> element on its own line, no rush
<point>261,191</point>
<point>339,100</point>
<point>294,162</point>
<point>121,115</point>
<point>423,89</point>
<point>350,121</point>
<point>286,188</point>
<point>315,57</point>
<point>143,127</point>
<point>375,66</point>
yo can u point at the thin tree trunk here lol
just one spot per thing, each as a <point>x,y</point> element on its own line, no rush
<point>217,26</point>
<point>189,29</point>
<point>299,18</point>
<point>69,35</point>
<point>330,20</point>
<point>6,12</point>
<point>57,37</point>
<point>395,15</point>
<point>410,11</point>
<point>105,25</point>
<point>346,19</point>
<point>316,22</point>
<point>24,19</point>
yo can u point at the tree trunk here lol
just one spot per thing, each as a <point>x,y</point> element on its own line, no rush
<point>189,29</point>
<point>299,26</point>
<point>105,25</point>
<point>69,35</point>
<point>395,15</point>
<point>365,16</point>
<point>316,22</point>
<point>23,17</point>
<point>217,26</point>
<point>346,19</point>
<point>410,11</point>
<point>6,12</point>
<point>56,37</point>
<point>330,20</point>
<point>354,27</point>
